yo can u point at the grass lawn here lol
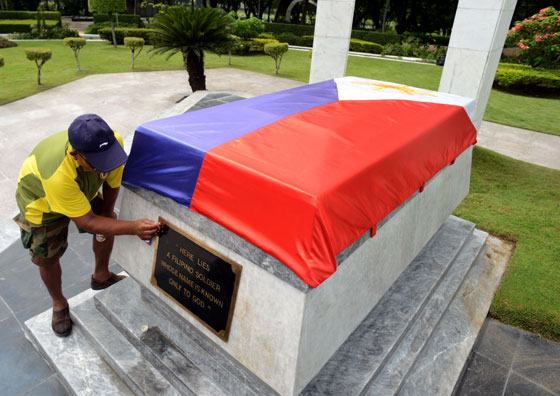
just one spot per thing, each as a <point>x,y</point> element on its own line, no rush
<point>18,76</point>
<point>522,202</point>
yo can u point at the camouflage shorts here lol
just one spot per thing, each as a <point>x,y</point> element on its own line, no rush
<point>46,243</point>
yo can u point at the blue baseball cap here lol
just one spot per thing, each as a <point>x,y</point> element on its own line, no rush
<point>90,135</point>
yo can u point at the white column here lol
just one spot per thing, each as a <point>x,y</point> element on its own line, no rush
<point>333,26</point>
<point>477,40</point>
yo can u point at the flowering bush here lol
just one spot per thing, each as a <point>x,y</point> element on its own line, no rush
<point>539,38</point>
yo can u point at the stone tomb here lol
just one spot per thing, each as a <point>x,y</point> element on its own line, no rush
<point>282,330</point>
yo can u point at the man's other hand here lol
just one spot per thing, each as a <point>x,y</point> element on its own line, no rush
<point>145,229</point>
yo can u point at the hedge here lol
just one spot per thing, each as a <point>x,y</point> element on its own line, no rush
<point>376,37</point>
<point>124,18</point>
<point>523,77</point>
<point>298,30</point>
<point>365,46</point>
<point>121,33</point>
<point>49,15</point>
<point>21,26</point>
<point>251,46</point>
<point>308,30</point>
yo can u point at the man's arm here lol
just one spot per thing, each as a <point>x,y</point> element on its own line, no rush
<point>145,229</point>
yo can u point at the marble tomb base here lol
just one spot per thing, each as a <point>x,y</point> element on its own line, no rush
<point>282,330</point>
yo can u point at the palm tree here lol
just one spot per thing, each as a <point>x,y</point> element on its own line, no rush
<point>191,31</point>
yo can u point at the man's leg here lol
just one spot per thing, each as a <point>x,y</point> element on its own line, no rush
<point>52,278</point>
<point>102,251</point>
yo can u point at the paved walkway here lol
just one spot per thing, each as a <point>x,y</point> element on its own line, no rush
<point>127,100</point>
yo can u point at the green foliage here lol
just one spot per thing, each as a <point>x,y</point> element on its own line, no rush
<point>288,37</point>
<point>1,61</point>
<point>276,51</point>
<point>233,15</point>
<point>365,46</point>
<point>298,30</point>
<point>95,27</point>
<point>307,30</point>
<point>121,33</point>
<point>21,25</point>
<point>539,38</point>
<point>523,77</point>
<point>191,31</point>
<point>412,47</point>
<point>47,6</point>
<point>250,47</point>
<point>76,43</point>
<point>47,32</point>
<point>266,36</point>
<point>247,28</point>
<point>376,37</point>
<point>39,56</point>
<point>135,44</point>
<point>48,15</point>
<point>123,19</point>
<point>106,6</point>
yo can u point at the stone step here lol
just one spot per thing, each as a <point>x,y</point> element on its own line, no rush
<point>397,368</point>
<point>119,354</point>
<point>381,350</point>
<point>439,366</point>
<point>187,358</point>
<point>76,362</point>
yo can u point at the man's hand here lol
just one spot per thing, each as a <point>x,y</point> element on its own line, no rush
<point>145,229</point>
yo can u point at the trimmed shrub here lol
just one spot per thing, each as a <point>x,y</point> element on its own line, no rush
<point>48,15</point>
<point>298,30</point>
<point>365,46</point>
<point>123,19</point>
<point>76,43</point>
<point>376,37</point>
<point>5,43</point>
<point>94,27</point>
<point>266,36</point>
<point>1,61</point>
<point>40,56</point>
<point>257,45</point>
<point>308,30</point>
<point>121,33</point>
<point>288,37</point>
<point>276,51</point>
<point>22,25</point>
<point>526,78</point>
<point>134,43</point>
<point>305,41</point>
<point>247,28</point>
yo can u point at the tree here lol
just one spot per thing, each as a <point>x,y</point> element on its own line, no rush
<point>76,43</point>
<point>276,51</point>
<point>191,31</point>
<point>40,56</point>
<point>134,43</point>
<point>108,7</point>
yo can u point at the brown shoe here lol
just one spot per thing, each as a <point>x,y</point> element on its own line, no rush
<point>61,322</point>
<point>114,278</point>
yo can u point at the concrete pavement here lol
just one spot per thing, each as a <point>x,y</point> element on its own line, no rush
<point>126,100</point>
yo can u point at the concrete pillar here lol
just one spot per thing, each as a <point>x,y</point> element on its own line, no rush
<point>477,40</point>
<point>333,26</point>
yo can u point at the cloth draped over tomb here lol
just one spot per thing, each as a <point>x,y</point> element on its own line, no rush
<point>303,173</point>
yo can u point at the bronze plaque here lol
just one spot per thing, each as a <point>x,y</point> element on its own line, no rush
<point>199,279</point>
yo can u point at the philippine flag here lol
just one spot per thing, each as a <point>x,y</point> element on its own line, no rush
<point>303,173</point>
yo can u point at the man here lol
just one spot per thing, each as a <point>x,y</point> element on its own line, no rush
<point>59,182</point>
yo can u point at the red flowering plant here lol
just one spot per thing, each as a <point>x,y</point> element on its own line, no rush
<point>539,38</point>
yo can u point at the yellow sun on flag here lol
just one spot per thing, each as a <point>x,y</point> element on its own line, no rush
<point>404,89</point>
